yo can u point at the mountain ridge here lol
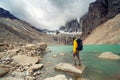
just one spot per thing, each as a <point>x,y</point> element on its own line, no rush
<point>71,26</point>
<point>13,30</point>
<point>6,14</point>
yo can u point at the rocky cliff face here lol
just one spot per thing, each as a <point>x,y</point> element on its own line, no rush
<point>99,12</point>
<point>15,30</point>
<point>71,26</point>
<point>107,33</point>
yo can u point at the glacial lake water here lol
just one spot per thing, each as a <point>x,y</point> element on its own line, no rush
<point>96,69</point>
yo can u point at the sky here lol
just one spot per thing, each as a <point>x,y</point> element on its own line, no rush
<point>46,14</point>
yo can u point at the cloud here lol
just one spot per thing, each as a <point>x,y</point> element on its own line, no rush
<point>49,14</point>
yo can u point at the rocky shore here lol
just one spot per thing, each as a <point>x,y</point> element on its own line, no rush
<point>21,62</point>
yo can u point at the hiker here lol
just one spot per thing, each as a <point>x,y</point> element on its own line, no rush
<point>77,46</point>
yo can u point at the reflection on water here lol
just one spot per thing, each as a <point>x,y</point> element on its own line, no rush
<point>97,69</point>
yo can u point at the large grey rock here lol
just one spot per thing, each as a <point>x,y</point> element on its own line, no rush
<point>30,47</point>
<point>109,55</point>
<point>3,70</point>
<point>57,77</point>
<point>66,67</point>
<point>24,60</point>
<point>35,67</point>
<point>3,47</point>
<point>16,50</point>
<point>42,46</point>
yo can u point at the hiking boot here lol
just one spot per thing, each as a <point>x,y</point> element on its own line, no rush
<point>75,64</point>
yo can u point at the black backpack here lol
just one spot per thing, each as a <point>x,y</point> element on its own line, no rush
<point>80,44</point>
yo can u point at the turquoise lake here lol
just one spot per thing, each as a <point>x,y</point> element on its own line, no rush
<point>96,68</point>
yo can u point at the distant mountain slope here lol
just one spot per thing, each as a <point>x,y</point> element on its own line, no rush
<point>6,14</point>
<point>107,33</point>
<point>15,30</point>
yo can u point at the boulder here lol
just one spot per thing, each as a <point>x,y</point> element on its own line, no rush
<point>35,67</point>
<point>3,47</point>
<point>42,46</point>
<point>24,60</point>
<point>66,67</point>
<point>3,70</point>
<point>30,78</point>
<point>16,50</point>
<point>48,50</point>
<point>30,47</point>
<point>108,55</point>
<point>57,77</point>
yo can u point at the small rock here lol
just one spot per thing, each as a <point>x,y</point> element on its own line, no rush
<point>20,69</point>
<point>82,79</point>
<point>28,73</point>
<point>70,79</point>
<point>26,67</point>
<point>13,63</point>
<point>36,73</point>
<point>57,77</point>
<point>54,56</point>
<point>30,78</point>
<point>49,62</point>
<point>62,54</point>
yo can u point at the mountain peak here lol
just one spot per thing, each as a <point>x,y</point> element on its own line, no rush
<point>6,14</point>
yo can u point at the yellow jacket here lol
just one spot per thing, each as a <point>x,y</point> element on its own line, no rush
<point>75,45</point>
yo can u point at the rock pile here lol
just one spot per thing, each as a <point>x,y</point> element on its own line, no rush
<point>34,49</point>
<point>24,61</point>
